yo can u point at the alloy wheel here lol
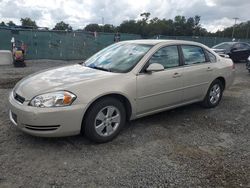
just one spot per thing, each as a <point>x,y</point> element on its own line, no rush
<point>107,121</point>
<point>215,93</point>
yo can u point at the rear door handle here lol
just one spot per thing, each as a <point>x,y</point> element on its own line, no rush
<point>176,75</point>
<point>209,69</point>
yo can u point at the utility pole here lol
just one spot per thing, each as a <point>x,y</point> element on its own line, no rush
<point>102,20</point>
<point>247,32</point>
<point>102,24</point>
<point>235,20</point>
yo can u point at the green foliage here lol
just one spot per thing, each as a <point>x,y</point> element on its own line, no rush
<point>93,28</point>
<point>27,22</point>
<point>179,26</point>
<point>108,28</point>
<point>241,30</point>
<point>2,24</point>
<point>62,26</point>
<point>145,17</point>
<point>100,28</point>
<point>11,24</point>
<point>147,27</point>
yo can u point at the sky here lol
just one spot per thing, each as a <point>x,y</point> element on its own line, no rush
<point>215,14</point>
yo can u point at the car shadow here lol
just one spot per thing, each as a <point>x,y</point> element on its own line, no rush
<point>78,142</point>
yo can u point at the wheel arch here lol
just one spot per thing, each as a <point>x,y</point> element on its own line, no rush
<point>119,96</point>
<point>223,81</point>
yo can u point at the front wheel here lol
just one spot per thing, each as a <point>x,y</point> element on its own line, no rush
<point>104,120</point>
<point>214,94</point>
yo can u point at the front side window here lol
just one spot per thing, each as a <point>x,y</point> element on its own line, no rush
<point>166,56</point>
<point>193,55</point>
<point>119,57</point>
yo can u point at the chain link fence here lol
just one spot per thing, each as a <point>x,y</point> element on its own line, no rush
<point>43,44</point>
<point>209,41</point>
<point>59,44</point>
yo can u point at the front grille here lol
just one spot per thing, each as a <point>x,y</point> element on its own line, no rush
<point>42,128</point>
<point>19,98</point>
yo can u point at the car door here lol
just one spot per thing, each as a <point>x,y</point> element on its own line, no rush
<point>158,90</point>
<point>240,51</point>
<point>197,73</point>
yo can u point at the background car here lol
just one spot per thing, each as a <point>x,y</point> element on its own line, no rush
<point>237,51</point>
<point>248,64</point>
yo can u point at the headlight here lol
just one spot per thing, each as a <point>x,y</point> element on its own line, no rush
<point>54,99</point>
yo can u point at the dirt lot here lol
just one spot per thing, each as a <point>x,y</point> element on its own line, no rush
<point>186,147</point>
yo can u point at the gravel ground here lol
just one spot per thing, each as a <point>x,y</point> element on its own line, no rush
<point>186,147</point>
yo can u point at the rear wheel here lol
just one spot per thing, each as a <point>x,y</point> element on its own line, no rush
<point>104,120</point>
<point>214,94</point>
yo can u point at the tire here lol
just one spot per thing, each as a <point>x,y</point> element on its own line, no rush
<point>213,97</point>
<point>235,61</point>
<point>104,120</point>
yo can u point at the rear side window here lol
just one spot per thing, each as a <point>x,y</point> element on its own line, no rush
<point>193,55</point>
<point>212,57</point>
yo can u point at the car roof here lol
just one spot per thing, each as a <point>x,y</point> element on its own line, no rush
<point>157,41</point>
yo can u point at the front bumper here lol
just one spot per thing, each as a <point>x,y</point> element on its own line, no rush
<point>46,122</point>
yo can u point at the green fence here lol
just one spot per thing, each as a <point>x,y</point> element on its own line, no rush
<point>209,41</point>
<point>59,44</point>
<point>76,45</point>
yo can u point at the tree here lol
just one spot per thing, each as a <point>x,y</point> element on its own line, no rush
<point>180,25</point>
<point>100,28</point>
<point>27,22</point>
<point>190,26</point>
<point>11,24</point>
<point>197,26</point>
<point>242,30</point>
<point>93,28</point>
<point>2,24</point>
<point>145,16</point>
<point>129,26</point>
<point>62,26</point>
<point>108,28</point>
<point>150,27</point>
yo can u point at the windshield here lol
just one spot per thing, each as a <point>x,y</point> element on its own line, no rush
<point>224,45</point>
<point>119,57</point>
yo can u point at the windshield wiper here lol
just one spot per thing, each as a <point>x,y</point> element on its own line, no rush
<point>100,68</point>
<point>82,63</point>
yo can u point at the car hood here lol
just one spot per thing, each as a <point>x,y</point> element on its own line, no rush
<point>56,79</point>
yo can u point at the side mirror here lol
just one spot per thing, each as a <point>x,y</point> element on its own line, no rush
<point>154,67</point>
<point>224,55</point>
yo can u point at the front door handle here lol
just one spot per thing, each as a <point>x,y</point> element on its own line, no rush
<point>176,75</point>
<point>209,69</point>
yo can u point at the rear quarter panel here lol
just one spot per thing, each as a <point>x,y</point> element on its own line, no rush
<point>224,68</point>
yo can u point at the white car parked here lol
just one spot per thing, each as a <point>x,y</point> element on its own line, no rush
<point>124,81</point>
